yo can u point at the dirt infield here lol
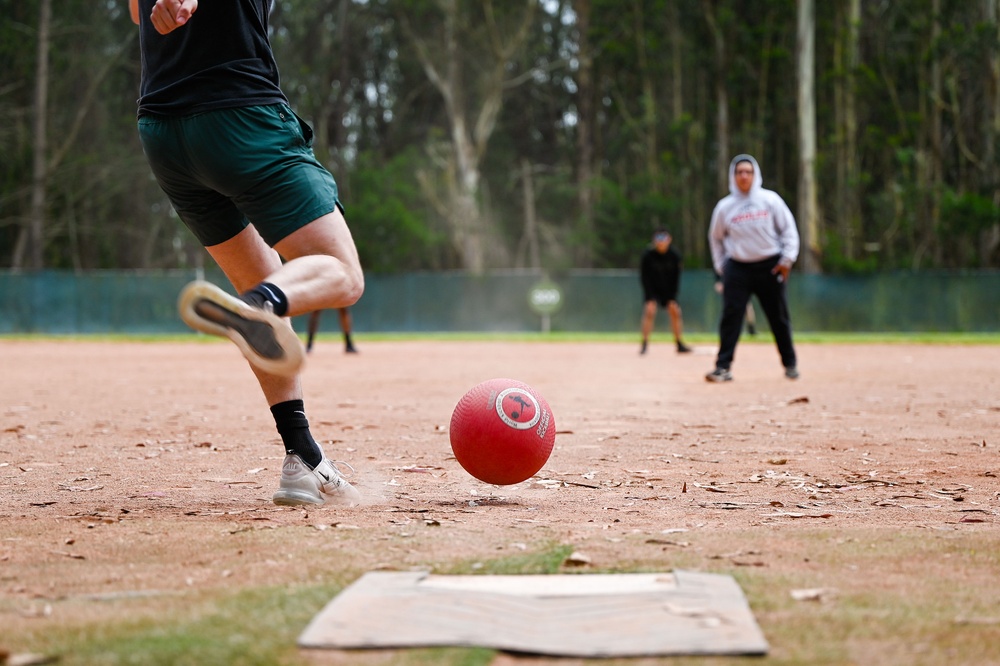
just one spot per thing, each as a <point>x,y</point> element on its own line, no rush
<point>131,468</point>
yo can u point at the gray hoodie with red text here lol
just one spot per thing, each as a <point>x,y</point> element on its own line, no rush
<point>753,226</point>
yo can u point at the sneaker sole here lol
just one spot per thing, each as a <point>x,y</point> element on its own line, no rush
<point>293,498</point>
<point>266,341</point>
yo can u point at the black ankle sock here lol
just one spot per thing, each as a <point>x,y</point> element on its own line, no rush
<point>266,292</point>
<point>290,418</point>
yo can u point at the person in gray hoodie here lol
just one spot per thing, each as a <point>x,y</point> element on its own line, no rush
<point>754,244</point>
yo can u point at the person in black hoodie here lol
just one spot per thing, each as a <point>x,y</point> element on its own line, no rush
<point>660,272</point>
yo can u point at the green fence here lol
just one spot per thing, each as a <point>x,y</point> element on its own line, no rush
<point>604,301</point>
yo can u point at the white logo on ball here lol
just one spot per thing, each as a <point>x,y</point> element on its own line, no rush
<point>510,419</point>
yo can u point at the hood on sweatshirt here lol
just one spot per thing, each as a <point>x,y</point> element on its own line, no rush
<point>758,180</point>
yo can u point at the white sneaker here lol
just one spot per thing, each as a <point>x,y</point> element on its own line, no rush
<point>266,340</point>
<point>300,485</point>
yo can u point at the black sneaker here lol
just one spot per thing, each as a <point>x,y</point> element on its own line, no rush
<point>792,372</point>
<point>719,375</point>
<point>266,340</point>
<point>683,348</point>
<point>645,346</point>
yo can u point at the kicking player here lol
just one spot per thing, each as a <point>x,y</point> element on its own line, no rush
<point>238,167</point>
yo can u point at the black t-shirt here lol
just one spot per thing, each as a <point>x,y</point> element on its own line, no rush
<point>220,59</point>
<point>660,273</point>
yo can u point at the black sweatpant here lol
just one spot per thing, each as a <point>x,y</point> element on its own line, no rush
<point>740,281</point>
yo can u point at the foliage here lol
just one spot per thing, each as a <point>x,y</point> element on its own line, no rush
<point>626,221</point>
<point>392,227</point>
<point>641,117</point>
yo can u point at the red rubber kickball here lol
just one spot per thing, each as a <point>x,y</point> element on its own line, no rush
<point>502,431</point>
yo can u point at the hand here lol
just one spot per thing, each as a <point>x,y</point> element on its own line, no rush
<point>782,271</point>
<point>168,15</point>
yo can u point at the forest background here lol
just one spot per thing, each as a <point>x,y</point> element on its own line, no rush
<point>480,135</point>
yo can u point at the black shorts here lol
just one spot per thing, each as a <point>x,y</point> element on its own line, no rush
<point>661,298</point>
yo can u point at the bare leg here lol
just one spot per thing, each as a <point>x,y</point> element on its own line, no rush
<point>346,326</point>
<point>247,261</point>
<point>322,271</point>
<point>648,317</point>
<point>676,323</point>
<point>345,321</point>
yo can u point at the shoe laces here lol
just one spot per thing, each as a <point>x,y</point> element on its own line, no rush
<point>337,463</point>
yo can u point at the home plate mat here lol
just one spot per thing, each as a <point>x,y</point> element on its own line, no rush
<point>584,615</point>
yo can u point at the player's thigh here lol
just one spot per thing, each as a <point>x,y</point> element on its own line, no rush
<point>327,235</point>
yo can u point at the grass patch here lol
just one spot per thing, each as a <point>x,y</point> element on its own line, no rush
<point>547,561</point>
<point>913,597</point>
<point>632,338</point>
<point>253,627</point>
<point>250,627</point>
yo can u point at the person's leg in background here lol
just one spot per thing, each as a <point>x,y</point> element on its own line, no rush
<point>735,294</point>
<point>648,318</point>
<point>347,328</point>
<point>677,325</point>
<point>774,302</point>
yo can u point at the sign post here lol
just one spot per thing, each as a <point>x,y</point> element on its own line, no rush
<point>545,298</point>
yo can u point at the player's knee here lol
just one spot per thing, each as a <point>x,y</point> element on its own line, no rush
<point>354,286</point>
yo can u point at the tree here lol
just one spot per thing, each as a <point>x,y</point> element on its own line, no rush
<point>808,209</point>
<point>719,41</point>
<point>473,99</point>
<point>35,233</point>
<point>463,133</point>
<point>845,194</point>
<point>584,133</point>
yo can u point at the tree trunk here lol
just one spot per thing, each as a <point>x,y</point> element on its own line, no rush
<point>649,120</point>
<point>39,171</point>
<point>530,216</point>
<point>808,207</point>
<point>721,102</point>
<point>692,230</point>
<point>584,136</point>
<point>846,204</point>
<point>991,132</point>
<point>676,62</point>
<point>934,169</point>
<point>472,234</point>
<point>849,193</point>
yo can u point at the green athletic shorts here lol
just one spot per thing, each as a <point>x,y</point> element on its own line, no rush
<point>228,168</point>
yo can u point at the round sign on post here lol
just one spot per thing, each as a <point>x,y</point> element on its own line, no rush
<point>545,298</point>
